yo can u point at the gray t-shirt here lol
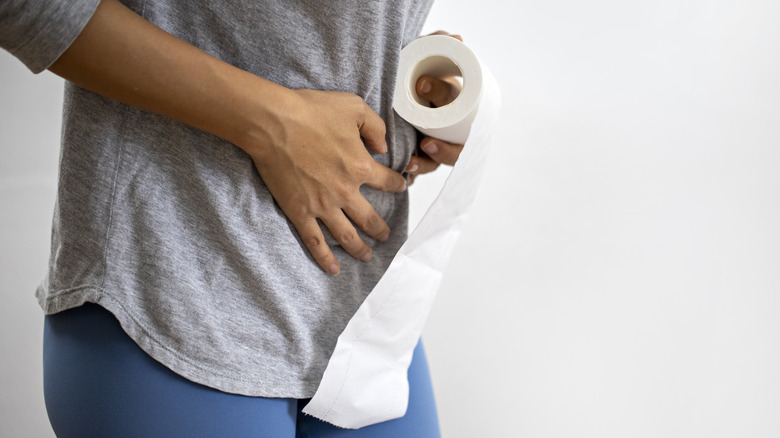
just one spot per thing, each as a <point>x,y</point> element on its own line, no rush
<point>172,229</point>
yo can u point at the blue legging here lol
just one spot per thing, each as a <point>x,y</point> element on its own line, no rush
<point>99,383</point>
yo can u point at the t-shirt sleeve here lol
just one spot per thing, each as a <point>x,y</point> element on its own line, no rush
<point>39,31</point>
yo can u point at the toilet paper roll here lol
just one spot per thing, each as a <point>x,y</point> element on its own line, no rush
<point>438,56</point>
<point>365,381</point>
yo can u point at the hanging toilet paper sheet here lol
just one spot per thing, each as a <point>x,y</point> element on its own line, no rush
<point>365,381</point>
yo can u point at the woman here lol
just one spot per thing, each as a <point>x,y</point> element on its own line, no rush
<point>230,190</point>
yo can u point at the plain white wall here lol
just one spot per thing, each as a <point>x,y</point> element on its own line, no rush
<point>30,111</point>
<point>620,274</point>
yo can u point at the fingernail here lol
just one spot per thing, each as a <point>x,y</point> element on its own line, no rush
<point>412,168</point>
<point>426,86</point>
<point>430,147</point>
<point>384,237</point>
<point>333,269</point>
<point>366,257</point>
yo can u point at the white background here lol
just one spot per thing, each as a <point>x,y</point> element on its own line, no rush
<point>620,275</point>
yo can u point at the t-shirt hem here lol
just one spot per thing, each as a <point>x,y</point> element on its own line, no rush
<point>175,361</point>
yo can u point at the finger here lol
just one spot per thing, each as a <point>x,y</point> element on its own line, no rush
<point>445,33</point>
<point>312,237</point>
<point>372,129</point>
<point>385,179</point>
<point>441,151</point>
<point>367,219</point>
<point>437,91</point>
<point>346,235</point>
<point>420,165</point>
<point>413,166</point>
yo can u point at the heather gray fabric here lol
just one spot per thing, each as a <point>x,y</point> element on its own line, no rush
<point>172,229</point>
<point>37,32</point>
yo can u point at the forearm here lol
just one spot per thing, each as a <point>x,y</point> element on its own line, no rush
<point>122,56</point>
<point>309,147</point>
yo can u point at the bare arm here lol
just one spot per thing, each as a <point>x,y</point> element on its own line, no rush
<point>305,144</point>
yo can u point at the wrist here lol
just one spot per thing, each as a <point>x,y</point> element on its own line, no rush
<point>260,110</point>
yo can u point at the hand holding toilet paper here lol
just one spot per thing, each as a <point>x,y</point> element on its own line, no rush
<point>365,381</point>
